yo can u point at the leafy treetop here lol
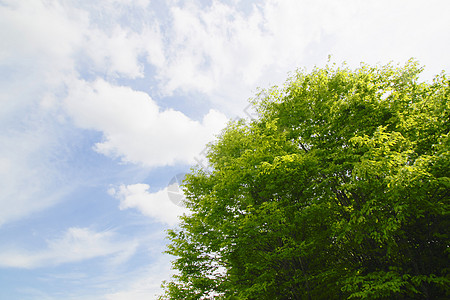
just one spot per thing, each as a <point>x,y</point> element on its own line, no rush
<point>340,189</point>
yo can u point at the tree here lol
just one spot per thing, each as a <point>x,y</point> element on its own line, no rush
<point>339,190</point>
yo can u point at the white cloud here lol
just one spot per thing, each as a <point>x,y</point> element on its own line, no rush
<point>32,69</point>
<point>226,53</point>
<point>39,30</point>
<point>146,283</point>
<point>116,36</point>
<point>217,51</point>
<point>77,244</point>
<point>155,205</point>
<point>135,128</point>
<point>29,163</point>
<point>383,31</point>
<point>115,53</point>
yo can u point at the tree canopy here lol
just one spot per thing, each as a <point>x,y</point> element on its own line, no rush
<point>338,190</point>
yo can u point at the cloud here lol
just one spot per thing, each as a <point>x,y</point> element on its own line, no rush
<point>119,51</point>
<point>33,28</point>
<point>145,284</point>
<point>56,36</point>
<point>225,52</point>
<point>32,69</point>
<point>155,205</point>
<point>135,128</point>
<point>77,244</point>
<point>116,53</point>
<point>31,159</point>
<point>40,39</point>
<point>384,31</point>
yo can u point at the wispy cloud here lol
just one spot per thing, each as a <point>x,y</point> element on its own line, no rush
<point>29,181</point>
<point>225,52</point>
<point>145,284</point>
<point>33,67</point>
<point>77,244</point>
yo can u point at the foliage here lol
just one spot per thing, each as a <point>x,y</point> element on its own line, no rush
<point>340,189</point>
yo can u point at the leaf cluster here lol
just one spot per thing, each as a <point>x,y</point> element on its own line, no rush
<point>339,190</point>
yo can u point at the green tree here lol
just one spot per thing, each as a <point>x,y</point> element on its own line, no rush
<point>339,190</point>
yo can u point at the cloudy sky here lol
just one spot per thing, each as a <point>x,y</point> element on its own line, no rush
<point>104,102</point>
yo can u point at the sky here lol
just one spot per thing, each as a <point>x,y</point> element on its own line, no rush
<point>105,104</point>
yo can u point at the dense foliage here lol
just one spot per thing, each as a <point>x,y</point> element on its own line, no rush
<point>339,190</point>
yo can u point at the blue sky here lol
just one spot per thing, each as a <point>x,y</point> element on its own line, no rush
<point>104,102</point>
